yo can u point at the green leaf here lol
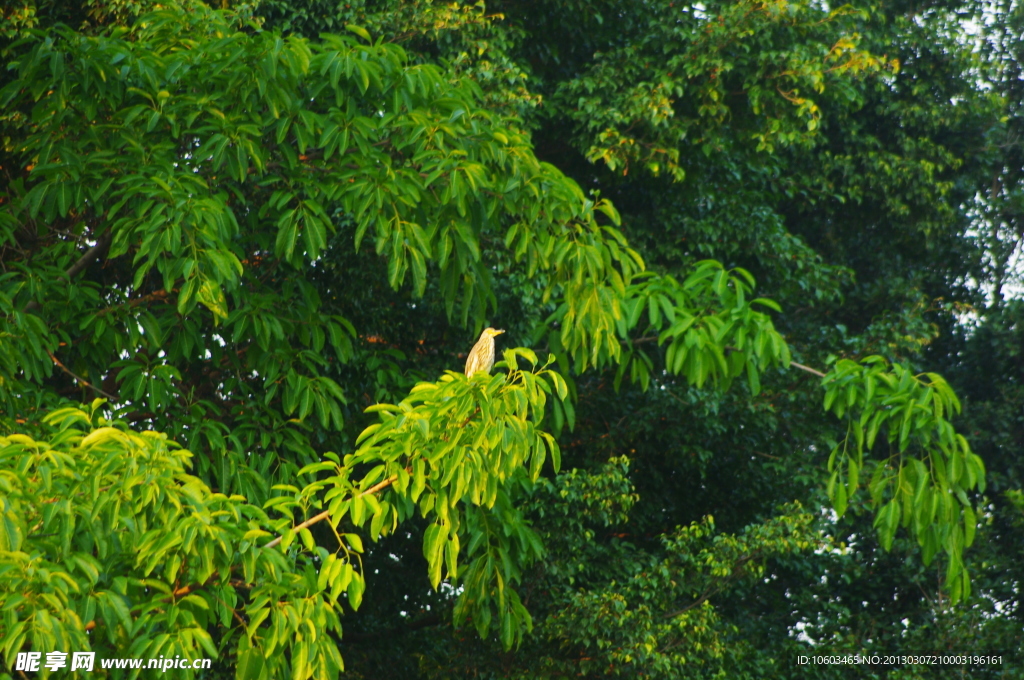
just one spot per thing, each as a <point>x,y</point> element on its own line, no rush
<point>250,665</point>
<point>62,194</point>
<point>839,501</point>
<point>356,588</point>
<point>970,525</point>
<point>358,30</point>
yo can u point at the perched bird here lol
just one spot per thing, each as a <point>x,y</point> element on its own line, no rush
<point>481,357</point>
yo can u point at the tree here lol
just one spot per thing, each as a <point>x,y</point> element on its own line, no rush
<point>208,289</point>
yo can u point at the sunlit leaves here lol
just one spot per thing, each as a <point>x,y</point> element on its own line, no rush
<point>698,74</point>
<point>185,157</point>
<point>449,452</point>
<point>922,481</point>
<point>711,328</point>
<point>102,527</point>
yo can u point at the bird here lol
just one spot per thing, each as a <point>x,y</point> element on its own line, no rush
<point>481,357</point>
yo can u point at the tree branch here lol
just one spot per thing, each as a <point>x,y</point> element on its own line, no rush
<point>807,368</point>
<point>793,364</point>
<point>88,258</point>
<point>719,586</point>
<point>79,379</point>
<point>325,514</point>
<point>90,255</point>
<point>309,522</point>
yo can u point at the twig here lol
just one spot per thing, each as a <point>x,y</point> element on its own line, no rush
<point>81,380</point>
<point>155,295</point>
<point>184,590</point>
<point>700,600</point>
<point>325,514</point>
<point>807,368</point>
<point>101,245</point>
<point>733,349</point>
<point>88,258</point>
<point>719,586</point>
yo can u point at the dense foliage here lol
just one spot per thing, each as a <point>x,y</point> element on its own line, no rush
<point>246,248</point>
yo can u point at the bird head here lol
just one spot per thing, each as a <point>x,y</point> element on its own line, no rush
<point>490,332</point>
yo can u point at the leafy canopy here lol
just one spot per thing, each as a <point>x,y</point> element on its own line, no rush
<point>184,189</point>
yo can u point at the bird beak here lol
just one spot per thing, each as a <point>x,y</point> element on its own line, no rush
<point>498,332</point>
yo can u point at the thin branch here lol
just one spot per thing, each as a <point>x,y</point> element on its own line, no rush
<point>180,592</point>
<point>325,514</point>
<point>88,258</point>
<point>90,255</point>
<point>793,364</point>
<point>234,612</point>
<point>719,586</point>
<point>160,295</point>
<point>707,594</point>
<point>654,338</point>
<point>807,368</point>
<point>79,379</point>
